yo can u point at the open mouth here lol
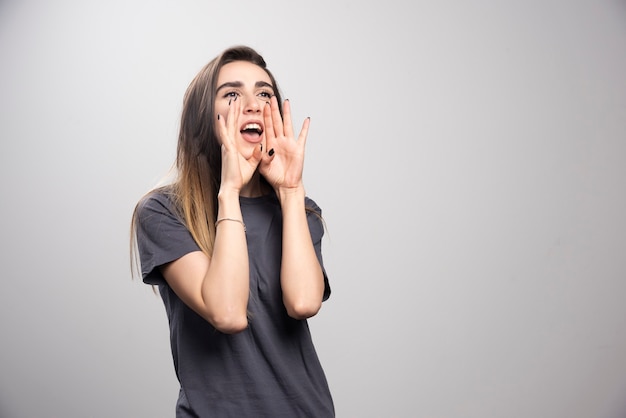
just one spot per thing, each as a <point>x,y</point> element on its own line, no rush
<point>252,132</point>
<point>252,128</point>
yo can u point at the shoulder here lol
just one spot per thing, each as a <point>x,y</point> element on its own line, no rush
<point>157,201</point>
<point>311,205</point>
<point>314,218</point>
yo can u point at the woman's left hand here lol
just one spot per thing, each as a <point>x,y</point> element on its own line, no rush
<point>283,163</point>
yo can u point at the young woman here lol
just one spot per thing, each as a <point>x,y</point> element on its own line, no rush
<point>234,246</point>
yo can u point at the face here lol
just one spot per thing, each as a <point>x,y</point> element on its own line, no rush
<point>252,88</point>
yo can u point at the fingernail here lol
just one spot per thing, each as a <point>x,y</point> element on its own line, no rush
<point>230,100</point>
<point>218,116</point>
<point>271,152</point>
<point>261,147</point>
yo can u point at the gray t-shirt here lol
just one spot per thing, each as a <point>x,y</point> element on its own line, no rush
<point>271,368</point>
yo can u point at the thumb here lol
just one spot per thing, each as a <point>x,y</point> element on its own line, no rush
<point>257,154</point>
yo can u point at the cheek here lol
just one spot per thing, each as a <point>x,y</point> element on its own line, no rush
<point>220,109</point>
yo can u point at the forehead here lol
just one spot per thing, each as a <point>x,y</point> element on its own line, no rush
<point>242,71</point>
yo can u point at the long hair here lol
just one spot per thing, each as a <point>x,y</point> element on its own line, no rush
<point>198,156</point>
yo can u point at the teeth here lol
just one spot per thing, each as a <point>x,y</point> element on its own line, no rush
<point>255,126</point>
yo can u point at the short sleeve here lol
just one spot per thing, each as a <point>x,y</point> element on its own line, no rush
<point>316,227</point>
<point>161,236</point>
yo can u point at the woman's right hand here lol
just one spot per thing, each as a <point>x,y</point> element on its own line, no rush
<point>236,169</point>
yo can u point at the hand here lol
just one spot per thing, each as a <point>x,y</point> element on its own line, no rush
<point>283,163</point>
<point>236,169</point>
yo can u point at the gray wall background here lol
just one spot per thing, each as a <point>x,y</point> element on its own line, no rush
<point>470,158</point>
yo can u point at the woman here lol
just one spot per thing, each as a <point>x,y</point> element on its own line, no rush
<point>234,246</point>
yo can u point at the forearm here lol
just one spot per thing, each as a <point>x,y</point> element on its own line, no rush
<point>302,279</point>
<point>226,285</point>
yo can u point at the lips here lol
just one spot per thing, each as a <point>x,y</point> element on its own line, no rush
<point>252,131</point>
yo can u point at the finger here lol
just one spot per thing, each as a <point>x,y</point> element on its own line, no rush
<point>233,111</point>
<point>288,127</point>
<point>221,129</point>
<point>267,157</point>
<point>257,155</point>
<point>277,120</point>
<point>304,133</point>
<point>269,127</point>
<point>224,150</point>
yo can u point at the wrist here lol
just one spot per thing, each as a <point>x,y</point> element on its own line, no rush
<point>286,193</point>
<point>227,194</point>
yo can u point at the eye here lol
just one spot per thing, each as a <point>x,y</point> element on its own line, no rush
<point>231,95</point>
<point>266,94</point>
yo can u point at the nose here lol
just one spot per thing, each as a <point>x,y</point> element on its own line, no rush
<point>252,104</point>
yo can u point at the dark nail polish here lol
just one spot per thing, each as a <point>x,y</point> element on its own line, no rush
<point>261,147</point>
<point>271,152</point>
<point>218,116</point>
<point>230,100</point>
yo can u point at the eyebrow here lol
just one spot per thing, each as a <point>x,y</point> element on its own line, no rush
<point>239,84</point>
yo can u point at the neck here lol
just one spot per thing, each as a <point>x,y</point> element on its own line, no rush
<point>254,188</point>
